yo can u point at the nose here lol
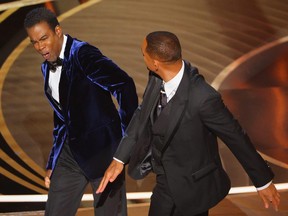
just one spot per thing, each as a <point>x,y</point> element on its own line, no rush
<point>39,46</point>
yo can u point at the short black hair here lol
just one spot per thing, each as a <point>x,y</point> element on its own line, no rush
<point>39,15</point>
<point>163,46</point>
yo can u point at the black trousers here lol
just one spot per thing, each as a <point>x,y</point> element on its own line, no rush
<point>68,184</point>
<point>162,202</point>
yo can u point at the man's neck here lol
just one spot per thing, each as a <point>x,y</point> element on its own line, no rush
<point>169,71</point>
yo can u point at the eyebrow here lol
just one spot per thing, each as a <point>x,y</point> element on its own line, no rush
<point>41,38</point>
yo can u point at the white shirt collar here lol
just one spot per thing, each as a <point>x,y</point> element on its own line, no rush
<point>172,85</point>
<point>63,47</point>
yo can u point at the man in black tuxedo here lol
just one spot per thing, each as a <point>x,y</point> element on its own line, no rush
<point>87,125</point>
<point>190,178</point>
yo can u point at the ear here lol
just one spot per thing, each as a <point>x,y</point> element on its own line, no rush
<point>58,31</point>
<point>156,64</point>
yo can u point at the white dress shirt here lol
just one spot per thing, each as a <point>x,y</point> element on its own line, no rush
<point>54,76</point>
<point>172,85</point>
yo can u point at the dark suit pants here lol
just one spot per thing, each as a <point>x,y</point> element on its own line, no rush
<point>162,202</point>
<point>68,184</point>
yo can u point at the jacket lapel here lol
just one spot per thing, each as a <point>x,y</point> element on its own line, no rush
<point>54,104</point>
<point>150,98</point>
<point>178,106</point>
<point>64,83</point>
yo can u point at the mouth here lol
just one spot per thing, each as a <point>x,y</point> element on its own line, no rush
<point>46,56</point>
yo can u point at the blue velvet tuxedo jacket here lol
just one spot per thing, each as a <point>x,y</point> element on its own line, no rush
<point>190,155</point>
<point>86,115</point>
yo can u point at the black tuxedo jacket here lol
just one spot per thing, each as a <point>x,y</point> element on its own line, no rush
<point>87,116</point>
<point>191,160</point>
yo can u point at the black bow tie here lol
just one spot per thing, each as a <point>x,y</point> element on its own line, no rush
<point>53,65</point>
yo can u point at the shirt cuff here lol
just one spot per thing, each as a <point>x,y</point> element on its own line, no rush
<point>265,186</point>
<point>118,160</point>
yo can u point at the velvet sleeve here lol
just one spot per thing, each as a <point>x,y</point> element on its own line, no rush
<point>103,72</point>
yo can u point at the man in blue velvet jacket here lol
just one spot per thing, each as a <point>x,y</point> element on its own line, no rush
<point>79,81</point>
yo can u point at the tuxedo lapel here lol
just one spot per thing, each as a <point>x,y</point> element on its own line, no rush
<point>45,69</point>
<point>66,75</point>
<point>151,97</point>
<point>178,105</point>
<point>48,92</point>
<point>63,89</point>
